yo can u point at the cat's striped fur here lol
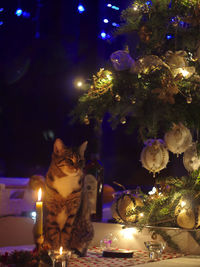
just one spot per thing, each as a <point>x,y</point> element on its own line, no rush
<point>66,210</point>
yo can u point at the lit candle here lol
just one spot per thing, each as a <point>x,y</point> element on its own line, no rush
<point>39,214</point>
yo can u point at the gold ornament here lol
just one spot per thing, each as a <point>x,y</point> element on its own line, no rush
<point>189,99</point>
<point>144,34</point>
<point>123,206</point>
<point>123,120</point>
<point>86,120</point>
<point>102,83</point>
<point>185,215</point>
<point>147,64</point>
<point>168,89</point>
<point>117,97</point>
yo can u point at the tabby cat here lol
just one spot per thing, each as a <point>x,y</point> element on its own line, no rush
<point>66,210</point>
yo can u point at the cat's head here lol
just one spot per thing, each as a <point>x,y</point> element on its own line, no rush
<point>69,160</point>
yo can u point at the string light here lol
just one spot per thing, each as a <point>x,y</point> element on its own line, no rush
<point>103,35</point>
<point>18,12</point>
<point>105,20</point>
<point>1,23</point>
<point>81,8</point>
<point>1,9</point>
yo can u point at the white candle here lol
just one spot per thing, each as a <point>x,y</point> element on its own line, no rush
<point>39,214</point>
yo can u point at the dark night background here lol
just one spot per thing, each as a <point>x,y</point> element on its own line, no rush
<point>40,58</point>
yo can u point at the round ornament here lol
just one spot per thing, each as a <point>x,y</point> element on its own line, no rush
<point>178,64</point>
<point>146,64</point>
<point>191,160</point>
<point>124,205</point>
<point>185,216</point>
<point>154,156</point>
<point>121,60</point>
<point>178,139</point>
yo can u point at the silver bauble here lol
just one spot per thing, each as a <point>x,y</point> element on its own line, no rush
<point>154,156</point>
<point>121,60</point>
<point>191,161</point>
<point>178,139</point>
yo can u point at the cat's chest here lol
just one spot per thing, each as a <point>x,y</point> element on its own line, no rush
<point>66,185</point>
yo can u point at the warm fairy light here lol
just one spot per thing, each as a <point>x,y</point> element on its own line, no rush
<point>141,214</point>
<point>109,77</point>
<point>184,72</point>
<point>39,194</point>
<point>79,83</point>
<point>183,203</point>
<point>127,233</point>
<point>153,191</point>
<point>61,250</point>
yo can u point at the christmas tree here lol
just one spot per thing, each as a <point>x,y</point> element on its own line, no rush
<point>154,85</point>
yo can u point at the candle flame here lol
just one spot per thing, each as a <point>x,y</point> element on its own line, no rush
<point>39,194</point>
<point>61,250</point>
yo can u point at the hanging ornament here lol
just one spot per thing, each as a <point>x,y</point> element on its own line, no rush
<point>121,60</point>
<point>154,156</point>
<point>124,205</point>
<point>178,64</point>
<point>178,139</point>
<point>168,88</point>
<point>147,64</point>
<point>144,34</point>
<point>86,120</point>
<point>185,216</point>
<point>133,100</point>
<point>102,83</point>
<point>189,99</point>
<point>123,120</point>
<point>117,98</point>
<point>191,160</point>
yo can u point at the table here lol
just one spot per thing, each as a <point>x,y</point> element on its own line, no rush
<point>140,258</point>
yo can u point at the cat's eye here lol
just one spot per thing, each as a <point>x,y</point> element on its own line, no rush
<point>70,161</point>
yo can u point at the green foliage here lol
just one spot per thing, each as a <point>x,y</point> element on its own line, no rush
<point>135,97</point>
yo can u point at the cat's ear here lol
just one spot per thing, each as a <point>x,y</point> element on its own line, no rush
<point>58,147</point>
<point>82,149</point>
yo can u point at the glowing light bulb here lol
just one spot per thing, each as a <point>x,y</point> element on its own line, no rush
<point>18,12</point>
<point>127,233</point>
<point>81,8</point>
<point>61,250</point>
<point>105,20</point>
<point>184,72</point>
<point>183,203</point>
<point>141,214</point>
<point>109,5</point>
<point>1,22</point>
<point>153,191</point>
<point>103,35</point>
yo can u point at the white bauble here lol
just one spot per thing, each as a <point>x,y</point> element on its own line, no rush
<point>121,60</point>
<point>178,139</point>
<point>154,156</point>
<point>191,161</point>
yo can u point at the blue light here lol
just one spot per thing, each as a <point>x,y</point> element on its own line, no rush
<point>81,8</point>
<point>103,35</point>
<point>169,36</point>
<point>1,23</point>
<point>105,20</point>
<point>115,24</point>
<point>19,12</point>
<point>26,14</point>
<point>148,3</point>
<point>115,7</point>
<point>1,9</point>
<point>109,5</point>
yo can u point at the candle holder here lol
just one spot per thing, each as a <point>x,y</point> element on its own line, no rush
<point>59,260</point>
<point>155,249</point>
